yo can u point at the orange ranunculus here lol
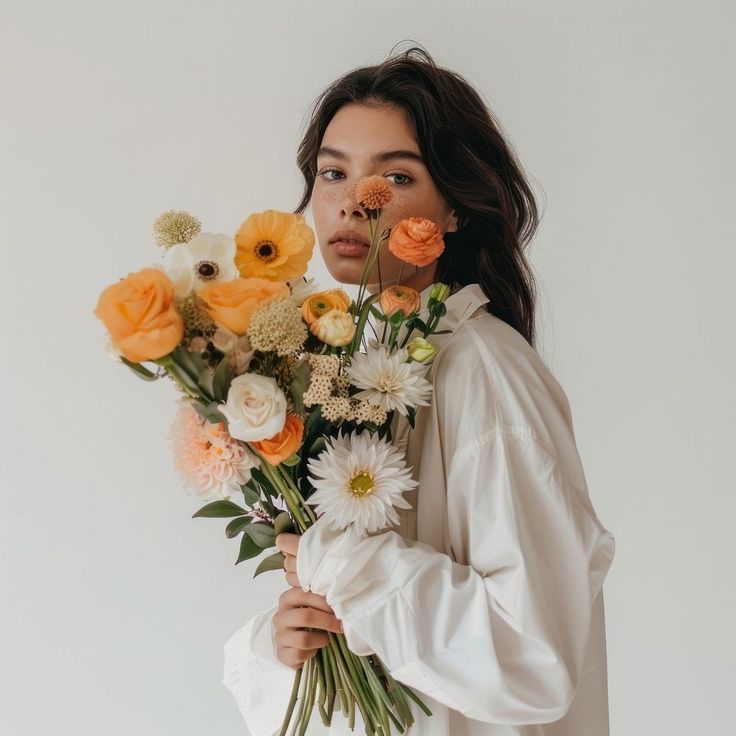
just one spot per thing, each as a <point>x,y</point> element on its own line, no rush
<point>232,303</point>
<point>416,240</point>
<point>274,245</point>
<point>284,444</point>
<point>140,315</point>
<point>399,298</point>
<point>315,305</point>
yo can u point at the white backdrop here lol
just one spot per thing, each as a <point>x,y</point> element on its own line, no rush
<point>115,603</point>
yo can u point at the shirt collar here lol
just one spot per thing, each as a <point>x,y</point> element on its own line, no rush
<point>461,305</point>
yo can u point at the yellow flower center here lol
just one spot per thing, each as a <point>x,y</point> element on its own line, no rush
<point>266,250</point>
<point>361,484</point>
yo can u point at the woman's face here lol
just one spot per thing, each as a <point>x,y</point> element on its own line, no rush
<point>359,141</point>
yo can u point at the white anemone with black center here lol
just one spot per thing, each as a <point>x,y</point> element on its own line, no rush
<point>207,257</point>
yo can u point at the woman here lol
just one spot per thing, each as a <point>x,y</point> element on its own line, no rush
<point>487,598</point>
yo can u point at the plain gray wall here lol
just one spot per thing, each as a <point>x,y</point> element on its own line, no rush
<point>115,603</point>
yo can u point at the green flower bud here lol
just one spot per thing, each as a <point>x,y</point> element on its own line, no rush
<point>439,292</point>
<point>420,349</point>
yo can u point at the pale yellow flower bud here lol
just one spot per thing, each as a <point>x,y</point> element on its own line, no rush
<point>421,350</point>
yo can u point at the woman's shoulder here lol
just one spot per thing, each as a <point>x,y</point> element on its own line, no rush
<point>490,375</point>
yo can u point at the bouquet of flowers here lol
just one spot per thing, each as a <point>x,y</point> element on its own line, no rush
<point>282,417</point>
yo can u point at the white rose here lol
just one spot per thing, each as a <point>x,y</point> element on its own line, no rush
<point>255,408</point>
<point>334,327</point>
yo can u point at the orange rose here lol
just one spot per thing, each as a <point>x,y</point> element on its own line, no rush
<point>315,305</point>
<point>283,445</point>
<point>399,298</point>
<point>140,316</point>
<point>232,303</point>
<point>416,240</point>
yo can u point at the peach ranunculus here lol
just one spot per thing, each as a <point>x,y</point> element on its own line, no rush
<point>140,315</point>
<point>274,245</point>
<point>232,303</point>
<point>285,443</point>
<point>315,305</point>
<point>400,298</point>
<point>335,328</point>
<point>416,240</point>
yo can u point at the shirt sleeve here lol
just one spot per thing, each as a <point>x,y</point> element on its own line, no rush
<point>501,639</point>
<point>260,683</point>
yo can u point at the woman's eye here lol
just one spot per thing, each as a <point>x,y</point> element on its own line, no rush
<point>324,172</point>
<point>408,179</point>
<point>327,171</point>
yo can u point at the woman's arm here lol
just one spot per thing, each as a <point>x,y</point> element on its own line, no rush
<point>502,638</point>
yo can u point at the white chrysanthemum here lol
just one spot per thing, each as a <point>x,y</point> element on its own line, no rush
<point>358,480</point>
<point>388,380</point>
<point>207,257</point>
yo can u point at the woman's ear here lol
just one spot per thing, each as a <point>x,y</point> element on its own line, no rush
<point>452,225</point>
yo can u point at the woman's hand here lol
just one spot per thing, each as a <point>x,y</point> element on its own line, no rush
<point>298,610</point>
<point>288,545</point>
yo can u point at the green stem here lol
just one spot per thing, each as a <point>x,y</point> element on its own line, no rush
<point>292,703</point>
<point>180,377</point>
<point>364,312</point>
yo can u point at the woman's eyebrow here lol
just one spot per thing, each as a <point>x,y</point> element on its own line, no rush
<point>376,158</point>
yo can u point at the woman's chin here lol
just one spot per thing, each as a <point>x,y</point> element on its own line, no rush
<point>346,273</point>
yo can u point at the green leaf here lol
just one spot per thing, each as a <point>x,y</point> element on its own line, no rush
<point>290,462</point>
<point>251,493</point>
<point>410,413</point>
<point>272,562</point>
<point>299,384</point>
<point>210,411</point>
<point>248,549</point>
<point>260,477</point>
<point>396,318</point>
<point>282,523</point>
<point>319,444</point>
<point>267,506</point>
<point>221,379</point>
<point>420,324</point>
<point>219,509</point>
<point>185,361</point>
<point>237,525</point>
<point>262,534</point>
<point>140,370</point>
<point>205,382</point>
<point>377,314</point>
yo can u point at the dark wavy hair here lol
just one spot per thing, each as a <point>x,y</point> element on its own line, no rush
<point>473,167</point>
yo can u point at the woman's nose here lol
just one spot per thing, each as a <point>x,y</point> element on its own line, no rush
<point>350,205</point>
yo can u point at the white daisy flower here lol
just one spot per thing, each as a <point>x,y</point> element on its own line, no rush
<point>205,258</point>
<point>388,380</point>
<point>358,479</point>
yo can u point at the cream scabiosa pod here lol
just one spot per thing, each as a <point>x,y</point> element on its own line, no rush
<point>255,408</point>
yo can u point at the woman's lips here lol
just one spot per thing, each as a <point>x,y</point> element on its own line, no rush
<point>352,250</point>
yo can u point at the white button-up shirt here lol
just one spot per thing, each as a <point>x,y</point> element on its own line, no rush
<point>487,599</point>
